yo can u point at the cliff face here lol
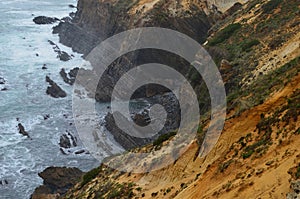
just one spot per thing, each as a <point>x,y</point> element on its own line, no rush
<point>257,154</point>
<point>96,20</point>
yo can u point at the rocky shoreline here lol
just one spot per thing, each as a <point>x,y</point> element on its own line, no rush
<point>82,31</point>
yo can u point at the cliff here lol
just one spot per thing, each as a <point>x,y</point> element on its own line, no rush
<point>257,155</point>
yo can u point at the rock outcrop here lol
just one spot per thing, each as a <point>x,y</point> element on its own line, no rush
<point>95,21</point>
<point>70,77</point>
<point>62,55</point>
<point>54,90</point>
<point>56,182</point>
<point>67,140</point>
<point>22,130</point>
<point>45,20</point>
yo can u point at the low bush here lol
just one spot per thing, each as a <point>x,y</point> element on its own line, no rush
<point>90,175</point>
<point>164,138</point>
<point>247,154</point>
<point>270,6</point>
<point>248,44</point>
<point>224,34</point>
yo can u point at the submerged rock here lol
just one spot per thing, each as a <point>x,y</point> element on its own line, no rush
<point>57,181</point>
<point>54,90</point>
<point>45,20</point>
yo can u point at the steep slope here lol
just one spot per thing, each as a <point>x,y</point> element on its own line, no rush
<point>257,49</point>
<point>225,172</point>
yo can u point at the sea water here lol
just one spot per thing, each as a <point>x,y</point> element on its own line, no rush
<point>20,42</point>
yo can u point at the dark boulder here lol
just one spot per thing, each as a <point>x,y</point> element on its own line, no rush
<point>44,67</point>
<point>64,141</point>
<point>68,140</point>
<point>54,90</point>
<point>57,181</point>
<point>45,20</point>
<point>63,56</point>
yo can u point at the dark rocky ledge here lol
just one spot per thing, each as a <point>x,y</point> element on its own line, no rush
<point>57,181</point>
<point>41,20</point>
<point>75,37</point>
<point>62,55</point>
<point>70,77</point>
<point>54,90</point>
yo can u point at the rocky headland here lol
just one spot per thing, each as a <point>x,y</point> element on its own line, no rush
<point>259,140</point>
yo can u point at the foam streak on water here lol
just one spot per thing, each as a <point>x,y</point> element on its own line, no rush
<point>20,40</point>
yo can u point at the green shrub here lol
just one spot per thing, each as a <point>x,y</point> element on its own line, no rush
<point>164,138</point>
<point>90,175</point>
<point>270,6</point>
<point>247,154</point>
<point>248,44</point>
<point>114,194</point>
<point>224,34</point>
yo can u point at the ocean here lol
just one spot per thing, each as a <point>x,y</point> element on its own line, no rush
<point>21,40</point>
